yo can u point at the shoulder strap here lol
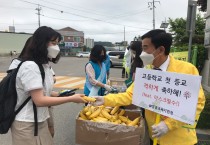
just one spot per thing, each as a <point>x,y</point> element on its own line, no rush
<point>34,105</point>
<point>42,71</point>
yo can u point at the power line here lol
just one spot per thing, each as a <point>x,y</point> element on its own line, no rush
<point>90,11</point>
<point>82,15</point>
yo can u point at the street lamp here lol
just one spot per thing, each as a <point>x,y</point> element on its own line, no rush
<point>164,25</point>
<point>137,38</point>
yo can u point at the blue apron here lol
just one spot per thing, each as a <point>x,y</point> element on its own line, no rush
<point>100,75</point>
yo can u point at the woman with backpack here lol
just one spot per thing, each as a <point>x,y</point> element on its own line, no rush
<point>42,48</point>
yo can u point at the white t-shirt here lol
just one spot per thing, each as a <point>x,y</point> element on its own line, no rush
<point>29,78</point>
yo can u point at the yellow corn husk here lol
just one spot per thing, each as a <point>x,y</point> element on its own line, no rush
<point>88,113</point>
<point>122,112</point>
<point>134,122</point>
<point>93,109</point>
<point>114,110</point>
<point>102,106</point>
<point>101,115</point>
<point>114,118</point>
<point>85,109</point>
<point>128,121</point>
<point>80,118</point>
<point>82,115</point>
<point>99,120</point>
<point>107,110</point>
<point>115,122</point>
<point>119,121</point>
<point>89,99</point>
<point>102,118</point>
<point>106,114</point>
<point>95,114</point>
<point>116,115</point>
<point>123,119</point>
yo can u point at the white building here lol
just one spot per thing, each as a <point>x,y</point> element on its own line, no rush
<point>89,42</point>
<point>11,42</point>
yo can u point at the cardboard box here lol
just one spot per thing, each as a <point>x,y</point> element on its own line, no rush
<point>96,133</point>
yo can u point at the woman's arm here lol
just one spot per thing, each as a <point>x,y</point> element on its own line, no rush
<point>91,75</point>
<point>40,100</point>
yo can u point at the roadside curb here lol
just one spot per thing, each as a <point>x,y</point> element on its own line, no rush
<point>203,136</point>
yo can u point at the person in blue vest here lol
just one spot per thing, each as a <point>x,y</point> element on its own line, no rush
<point>107,63</point>
<point>96,71</point>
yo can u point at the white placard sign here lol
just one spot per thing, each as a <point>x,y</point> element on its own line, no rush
<point>171,94</point>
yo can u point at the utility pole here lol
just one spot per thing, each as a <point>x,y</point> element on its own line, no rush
<point>38,9</point>
<point>124,38</point>
<point>190,26</point>
<point>152,7</point>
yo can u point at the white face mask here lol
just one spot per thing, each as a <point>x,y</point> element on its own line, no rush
<point>53,51</point>
<point>147,58</point>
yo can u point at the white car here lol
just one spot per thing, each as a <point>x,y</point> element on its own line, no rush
<point>83,54</point>
<point>116,58</point>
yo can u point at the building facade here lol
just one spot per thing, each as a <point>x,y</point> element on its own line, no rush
<point>72,41</point>
<point>89,43</point>
<point>12,42</point>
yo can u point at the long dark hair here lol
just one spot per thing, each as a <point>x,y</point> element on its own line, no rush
<point>95,53</point>
<point>36,49</point>
<point>137,47</point>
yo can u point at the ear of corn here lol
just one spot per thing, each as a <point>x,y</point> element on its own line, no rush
<point>85,109</point>
<point>107,110</point>
<point>134,122</point>
<point>102,114</point>
<point>106,114</point>
<point>95,114</point>
<point>114,110</point>
<point>122,112</point>
<point>88,113</point>
<point>89,99</point>
<point>82,115</point>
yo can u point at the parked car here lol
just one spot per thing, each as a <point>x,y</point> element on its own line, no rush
<point>83,54</point>
<point>116,58</point>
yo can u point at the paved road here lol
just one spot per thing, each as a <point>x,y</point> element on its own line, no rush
<point>69,70</point>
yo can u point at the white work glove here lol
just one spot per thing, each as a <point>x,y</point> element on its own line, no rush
<point>108,88</point>
<point>99,101</point>
<point>159,129</point>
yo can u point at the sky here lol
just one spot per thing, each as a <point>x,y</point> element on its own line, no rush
<point>101,20</point>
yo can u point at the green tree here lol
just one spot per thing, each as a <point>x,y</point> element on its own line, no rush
<point>178,30</point>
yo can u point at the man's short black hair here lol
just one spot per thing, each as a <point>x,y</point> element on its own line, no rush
<point>159,38</point>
